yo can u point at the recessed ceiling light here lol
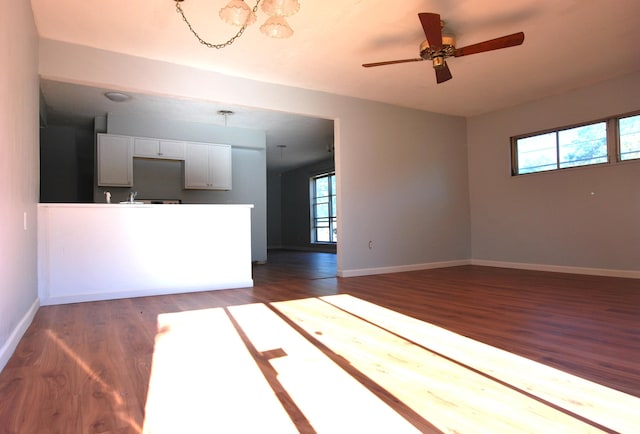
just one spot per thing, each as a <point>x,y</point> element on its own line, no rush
<point>117,96</point>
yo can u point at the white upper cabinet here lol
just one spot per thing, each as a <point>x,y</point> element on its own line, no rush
<point>220,166</point>
<point>115,160</point>
<point>158,148</point>
<point>196,166</point>
<point>207,166</point>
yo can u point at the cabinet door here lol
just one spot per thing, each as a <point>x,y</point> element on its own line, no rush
<point>115,160</point>
<point>196,166</point>
<point>158,148</point>
<point>146,147</point>
<point>171,149</point>
<point>220,167</point>
<point>207,166</point>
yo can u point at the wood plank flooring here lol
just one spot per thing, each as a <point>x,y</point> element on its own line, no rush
<point>461,349</point>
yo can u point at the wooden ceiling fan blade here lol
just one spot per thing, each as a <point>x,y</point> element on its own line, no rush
<point>493,44</point>
<point>443,73</point>
<point>392,62</point>
<point>432,28</point>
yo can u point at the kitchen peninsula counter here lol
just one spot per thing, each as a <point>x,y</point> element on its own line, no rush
<point>89,252</point>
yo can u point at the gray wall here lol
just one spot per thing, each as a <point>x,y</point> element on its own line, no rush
<point>66,164</point>
<point>58,165</point>
<point>19,173</point>
<point>402,184</point>
<point>158,179</point>
<point>584,217</point>
<point>274,210</point>
<point>296,218</point>
<point>401,173</point>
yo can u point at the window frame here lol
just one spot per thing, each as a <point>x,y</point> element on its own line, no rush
<point>332,198</point>
<point>612,136</point>
<point>619,139</point>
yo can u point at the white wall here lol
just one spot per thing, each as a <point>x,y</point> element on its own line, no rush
<point>552,219</point>
<point>401,173</point>
<point>19,146</point>
<point>91,252</point>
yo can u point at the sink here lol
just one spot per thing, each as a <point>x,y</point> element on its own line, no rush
<point>132,203</point>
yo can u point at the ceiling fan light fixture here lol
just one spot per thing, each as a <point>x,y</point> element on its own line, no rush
<point>438,62</point>
<point>276,27</point>
<point>237,13</point>
<point>282,8</point>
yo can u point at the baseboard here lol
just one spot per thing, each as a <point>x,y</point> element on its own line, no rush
<point>607,272</point>
<point>401,268</point>
<point>101,296</point>
<point>14,338</point>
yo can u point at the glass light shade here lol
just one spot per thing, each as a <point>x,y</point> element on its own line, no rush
<point>276,27</point>
<point>238,13</point>
<point>282,8</point>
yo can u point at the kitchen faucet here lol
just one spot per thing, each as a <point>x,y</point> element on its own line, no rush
<point>132,196</point>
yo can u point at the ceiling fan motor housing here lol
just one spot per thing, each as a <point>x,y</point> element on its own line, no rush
<point>438,54</point>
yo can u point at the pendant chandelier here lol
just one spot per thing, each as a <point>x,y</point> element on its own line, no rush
<point>238,13</point>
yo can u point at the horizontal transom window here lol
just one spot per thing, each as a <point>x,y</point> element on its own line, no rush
<point>629,128</point>
<point>599,142</point>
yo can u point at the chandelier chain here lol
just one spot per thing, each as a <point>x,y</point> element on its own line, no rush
<point>208,44</point>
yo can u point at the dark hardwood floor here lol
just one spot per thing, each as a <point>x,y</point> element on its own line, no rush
<point>285,265</point>
<point>461,349</point>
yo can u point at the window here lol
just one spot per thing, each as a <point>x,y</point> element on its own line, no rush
<point>572,147</point>
<point>323,209</point>
<point>582,145</point>
<point>629,128</point>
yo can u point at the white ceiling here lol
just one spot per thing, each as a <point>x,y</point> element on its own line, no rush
<point>568,44</point>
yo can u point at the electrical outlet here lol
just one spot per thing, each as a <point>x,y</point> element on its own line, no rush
<point>24,220</point>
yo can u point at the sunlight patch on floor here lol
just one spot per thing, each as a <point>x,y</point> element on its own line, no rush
<point>203,379</point>
<point>605,406</point>
<point>331,399</point>
<point>444,392</point>
<point>341,365</point>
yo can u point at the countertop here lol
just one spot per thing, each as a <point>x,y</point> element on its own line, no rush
<point>138,205</point>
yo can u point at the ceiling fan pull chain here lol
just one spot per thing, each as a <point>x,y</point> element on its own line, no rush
<point>209,44</point>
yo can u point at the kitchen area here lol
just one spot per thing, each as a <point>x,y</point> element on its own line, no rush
<point>172,207</point>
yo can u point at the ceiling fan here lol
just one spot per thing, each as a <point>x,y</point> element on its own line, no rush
<point>439,47</point>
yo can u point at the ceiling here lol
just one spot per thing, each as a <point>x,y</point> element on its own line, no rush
<point>292,140</point>
<point>568,44</point>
